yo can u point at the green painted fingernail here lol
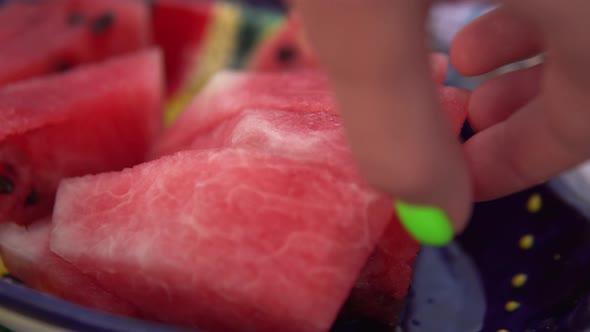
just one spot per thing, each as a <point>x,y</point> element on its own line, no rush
<point>428,225</point>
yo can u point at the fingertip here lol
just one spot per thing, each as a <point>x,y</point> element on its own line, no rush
<point>462,50</point>
<point>428,225</point>
<point>431,225</point>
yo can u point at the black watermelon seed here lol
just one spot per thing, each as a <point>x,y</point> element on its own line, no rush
<point>63,66</point>
<point>102,23</point>
<point>6,185</point>
<point>32,199</point>
<point>415,322</point>
<point>286,54</point>
<point>75,19</point>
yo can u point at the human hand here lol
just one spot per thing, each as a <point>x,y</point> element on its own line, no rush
<point>534,123</point>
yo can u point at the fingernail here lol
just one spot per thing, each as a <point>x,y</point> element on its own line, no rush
<point>428,225</point>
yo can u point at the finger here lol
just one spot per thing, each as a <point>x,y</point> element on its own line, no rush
<point>529,148</point>
<point>495,100</point>
<point>495,39</point>
<point>454,101</point>
<point>386,95</point>
<point>439,63</point>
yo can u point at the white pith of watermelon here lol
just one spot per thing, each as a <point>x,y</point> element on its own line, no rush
<point>72,124</point>
<point>69,33</point>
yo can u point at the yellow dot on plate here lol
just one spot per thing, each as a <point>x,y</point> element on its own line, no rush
<point>534,203</point>
<point>526,242</point>
<point>519,280</point>
<point>556,257</point>
<point>511,306</point>
<point>503,330</point>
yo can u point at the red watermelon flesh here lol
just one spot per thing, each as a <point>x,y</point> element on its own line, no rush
<point>224,240</point>
<point>96,118</point>
<point>72,32</point>
<point>300,92</point>
<point>18,16</point>
<point>287,49</point>
<point>381,288</point>
<point>213,119</point>
<point>26,253</point>
<point>179,28</point>
<point>303,92</point>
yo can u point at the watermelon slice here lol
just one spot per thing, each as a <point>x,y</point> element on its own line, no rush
<point>25,251</point>
<point>69,33</point>
<point>179,27</point>
<point>18,16</point>
<point>215,120</point>
<point>93,119</point>
<point>306,215</point>
<point>287,49</point>
<point>223,240</point>
<point>304,92</point>
<point>200,38</point>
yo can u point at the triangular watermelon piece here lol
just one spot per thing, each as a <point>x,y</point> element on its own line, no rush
<point>287,49</point>
<point>97,118</point>
<point>223,240</point>
<point>69,33</point>
<point>179,28</point>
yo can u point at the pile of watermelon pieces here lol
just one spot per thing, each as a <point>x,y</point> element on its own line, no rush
<point>247,214</point>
